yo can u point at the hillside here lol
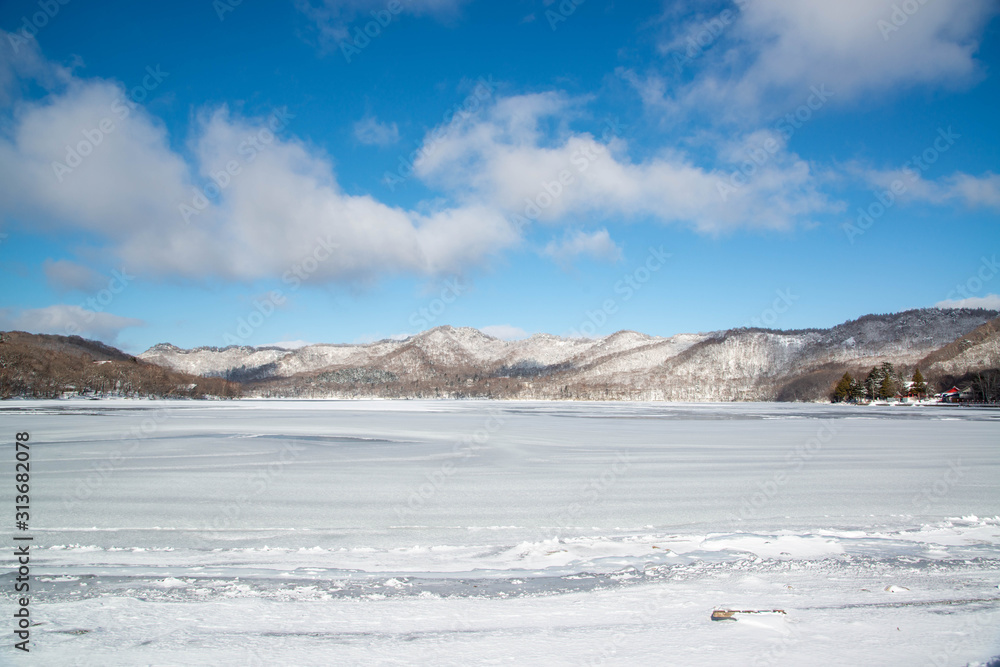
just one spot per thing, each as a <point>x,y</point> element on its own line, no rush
<point>979,349</point>
<point>46,366</point>
<point>733,365</point>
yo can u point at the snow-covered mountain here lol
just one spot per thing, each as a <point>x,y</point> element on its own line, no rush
<point>977,350</point>
<point>738,364</point>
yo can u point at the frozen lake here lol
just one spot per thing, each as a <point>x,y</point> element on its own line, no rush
<point>419,532</point>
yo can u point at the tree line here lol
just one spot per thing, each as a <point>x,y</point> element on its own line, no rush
<point>885,382</point>
<point>55,366</point>
<point>881,383</point>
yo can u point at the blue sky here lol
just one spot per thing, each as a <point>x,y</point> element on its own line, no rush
<point>209,173</point>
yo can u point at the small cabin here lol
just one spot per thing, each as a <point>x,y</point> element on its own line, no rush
<point>955,395</point>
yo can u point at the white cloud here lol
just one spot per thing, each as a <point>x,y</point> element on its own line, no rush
<point>68,320</point>
<point>282,206</point>
<point>129,181</point>
<point>286,205</point>
<point>596,245</point>
<point>21,61</point>
<point>990,302</point>
<point>504,158</point>
<point>371,132</point>
<point>65,276</point>
<point>909,185</point>
<point>977,191</point>
<point>505,332</point>
<point>772,51</point>
<point>335,18</point>
<point>121,181</point>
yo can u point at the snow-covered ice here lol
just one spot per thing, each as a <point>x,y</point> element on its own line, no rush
<point>475,532</point>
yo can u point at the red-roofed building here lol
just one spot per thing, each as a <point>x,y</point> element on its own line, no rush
<point>955,395</point>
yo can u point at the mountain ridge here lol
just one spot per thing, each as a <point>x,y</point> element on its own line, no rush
<point>733,364</point>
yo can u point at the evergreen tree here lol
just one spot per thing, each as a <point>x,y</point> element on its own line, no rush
<point>857,390</point>
<point>919,387</point>
<point>888,388</point>
<point>882,382</point>
<point>872,384</point>
<point>842,392</point>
